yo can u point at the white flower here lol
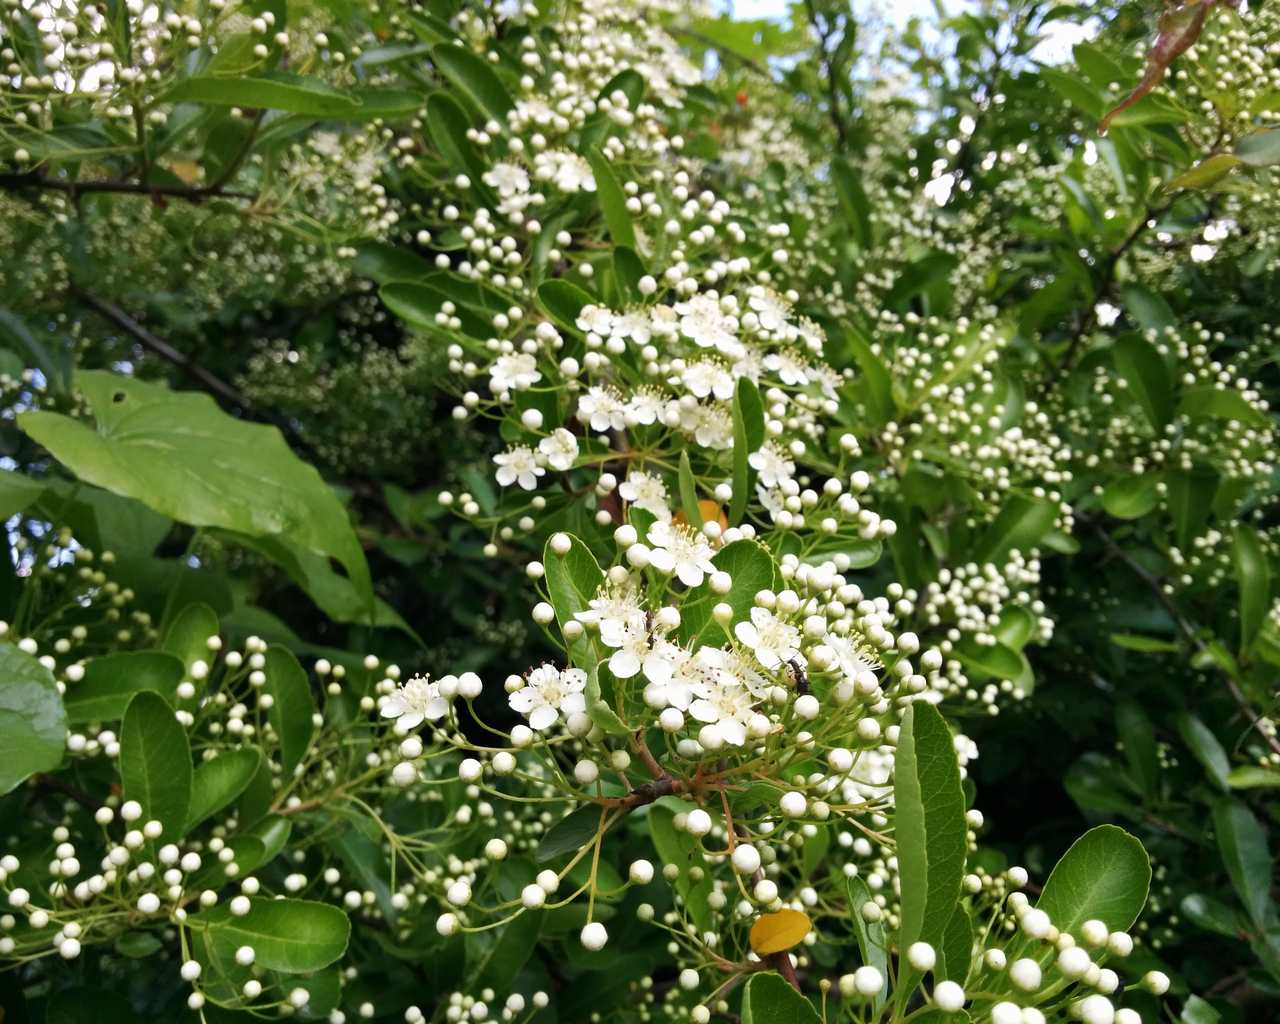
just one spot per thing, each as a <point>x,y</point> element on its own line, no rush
<point>638,650</point>
<point>603,409</point>
<point>633,325</point>
<point>645,406</point>
<point>770,308</point>
<point>728,706</point>
<point>646,491</point>
<point>771,640</point>
<point>790,370</point>
<point>772,500</point>
<point>736,669</point>
<point>612,610</point>
<point>416,700</point>
<point>518,465</point>
<point>514,372</point>
<point>548,693</point>
<point>710,425</point>
<point>706,325</point>
<point>508,178</point>
<point>595,319</point>
<point>691,676</point>
<point>851,658</point>
<point>706,378</point>
<point>682,551</point>
<point>567,171</point>
<point>560,449</point>
<point>772,464</point>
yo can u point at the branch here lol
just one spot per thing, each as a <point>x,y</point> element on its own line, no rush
<point>1108,280</point>
<point>833,92</point>
<point>189,193</point>
<point>160,347</point>
<point>1186,629</point>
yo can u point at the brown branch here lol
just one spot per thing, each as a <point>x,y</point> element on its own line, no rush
<point>1187,629</point>
<point>160,347</point>
<point>188,193</point>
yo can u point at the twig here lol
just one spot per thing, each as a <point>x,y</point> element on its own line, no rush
<point>1186,628</point>
<point>189,193</point>
<point>833,92</point>
<point>160,347</point>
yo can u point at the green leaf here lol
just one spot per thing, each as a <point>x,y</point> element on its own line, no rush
<point>872,944</point>
<point>748,425</point>
<point>1261,149</point>
<point>475,78</point>
<point>218,781</point>
<point>956,952</point>
<point>689,493</point>
<point>447,124</point>
<point>1253,574</point>
<point>1246,856</point>
<point>1145,372</point>
<point>292,706</point>
<point>682,850</point>
<point>386,263</point>
<point>612,199</point>
<point>1205,746</point>
<point>932,836</point>
<point>1134,728</point>
<point>570,834</point>
<point>1131,497</point>
<point>876,384</point>
<point>112,679</point>
<point>187,637</point>
<point>510,951</point>
<point>564,301</point>
<point>995,661</point>
<point>1147,307</point>
<point>1190,495</point>
<point>572,582</point>
<point>1105,875</point>
<point>768,999</point>
<point>1212,914</point>
<point>290,936</point>
<point>292,93</point>
<point>1221,403</point>
<point>181,455</point>
<point>1251,776</point>
<point>33,725</point>
<point>1198,1011</point>
<point>1021,526</point>
<point>1146,644</point>
<point>155,763</point>
<point>853,202</point>
<point>751,569</point>
<point>1207,173</point>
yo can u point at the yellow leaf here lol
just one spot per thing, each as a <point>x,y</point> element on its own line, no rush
<point>710,511</point>
<point>774,933</point>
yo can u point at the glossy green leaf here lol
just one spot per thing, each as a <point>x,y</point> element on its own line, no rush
<point>1131,497</point>
<point>1205,746</point>
<point>1135,730</point>
<point>956,951</point>
<point>1021,526</point>
<point>1242,842</point>
<point>751,569</point>
<point>292,705</point>
<point>873,946</point>
<point>570,834</point>
<point>292,93</point>
<point>290,936</point>
<point>187,637</point>
<point>473,75</point>
<point>217,782</point>
<point>33,725</point>
<point>768,999</point>
<point>1251,776</point>
<point>111,680</point>
<point>1145,372</point>
<point>853,201</point>
<point>689,493</point>
<point>155,763</point>
<point>1105,875</point>
<point>1261,149</point>
<point>573,580</point>
<point>1207,173</point>
<point>564,301</point>
<point>930,827</point>
<point>612,200</point>
<point>1253,575</point>
<point>1190,496</point>
<point>181,455</point>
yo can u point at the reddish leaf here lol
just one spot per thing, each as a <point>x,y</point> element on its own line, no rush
<point>1178,29</point>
